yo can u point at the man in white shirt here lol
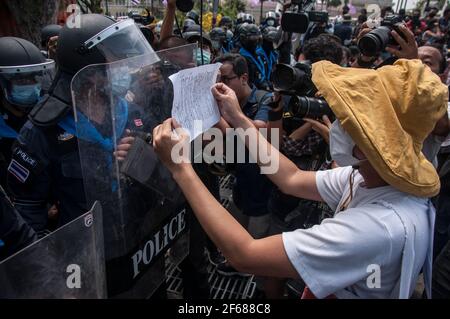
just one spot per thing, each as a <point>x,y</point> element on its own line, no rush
<point>381,235</point>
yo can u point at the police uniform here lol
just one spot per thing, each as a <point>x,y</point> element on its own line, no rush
<point>45,168</point>
<point>9,126</point>
<point>24,77</point>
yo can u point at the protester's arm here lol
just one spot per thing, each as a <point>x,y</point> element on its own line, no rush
<point>265,257</point>
<point>169,19</point>
<point>287,177</point>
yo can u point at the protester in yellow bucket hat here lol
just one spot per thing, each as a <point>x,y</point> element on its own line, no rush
<point>388,113</point>
<point>381,235</point>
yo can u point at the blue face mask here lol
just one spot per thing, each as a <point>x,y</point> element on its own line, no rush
<point>25,94</point>
<point>206,57</point>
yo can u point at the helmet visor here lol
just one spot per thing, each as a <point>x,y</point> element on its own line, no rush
<point>22,86</point>
<point>119,41</point>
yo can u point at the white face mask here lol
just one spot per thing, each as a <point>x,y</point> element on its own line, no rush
<point>341,146</point>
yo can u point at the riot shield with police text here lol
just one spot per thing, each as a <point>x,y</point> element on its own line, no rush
<point>68,263</point>
<point>144,211</point>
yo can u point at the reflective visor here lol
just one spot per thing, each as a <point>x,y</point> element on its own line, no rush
<point>120,41</point>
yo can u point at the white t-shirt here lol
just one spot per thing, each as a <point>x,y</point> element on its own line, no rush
<point>338,256</point>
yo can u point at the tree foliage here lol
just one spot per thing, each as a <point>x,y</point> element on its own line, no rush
<point>31,15</point>
<point>232,7</point>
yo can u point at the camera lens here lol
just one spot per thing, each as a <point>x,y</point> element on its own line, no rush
<point>303,106</point>
<point>287,78</point>
<point>375,41</point>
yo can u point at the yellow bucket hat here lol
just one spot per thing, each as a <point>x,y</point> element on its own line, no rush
<point>388,113</point>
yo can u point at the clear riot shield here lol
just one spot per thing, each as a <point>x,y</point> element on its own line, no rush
<point>144,212</point>
<point>68,263</point>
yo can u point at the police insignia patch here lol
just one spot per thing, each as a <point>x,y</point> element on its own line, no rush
<point>20,172</point>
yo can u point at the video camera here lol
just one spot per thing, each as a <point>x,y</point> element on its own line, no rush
<point>297,82</point>
<point>298,21</point>
<point>372,43</point>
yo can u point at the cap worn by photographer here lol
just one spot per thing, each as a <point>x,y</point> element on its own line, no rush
<point>388,113</point>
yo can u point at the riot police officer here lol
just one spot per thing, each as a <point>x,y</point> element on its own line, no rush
<point>226,23</point>
<point>270,37</point>
<point>250,39</point>
<point>24,76</point>
<point>270,20</point>
<point>248,18</point>
<point>218,38</point>
<point>194,16</point>
<point>193,35</point>
<point>45,165</point>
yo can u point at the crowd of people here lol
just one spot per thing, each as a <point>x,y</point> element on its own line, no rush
<point>364,167</point>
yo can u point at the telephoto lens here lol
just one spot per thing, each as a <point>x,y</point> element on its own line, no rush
<point>303,106</point>
<point>295,79</point>
<point>372,43</point>
<point>185,5</point>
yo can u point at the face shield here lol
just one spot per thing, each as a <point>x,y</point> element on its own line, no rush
<point>23,85</point>
<point>120,41</point>
<point>270,22</point>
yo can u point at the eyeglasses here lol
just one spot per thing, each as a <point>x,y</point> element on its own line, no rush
<point>227,80</point>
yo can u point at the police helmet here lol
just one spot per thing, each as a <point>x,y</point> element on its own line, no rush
<point>99,39</point>
<point>49,31</point>
<point>24,72</point>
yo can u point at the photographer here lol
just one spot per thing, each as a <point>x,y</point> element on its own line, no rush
<point>400,46</point>
<point>385,204</point>
<point>306,145</point>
